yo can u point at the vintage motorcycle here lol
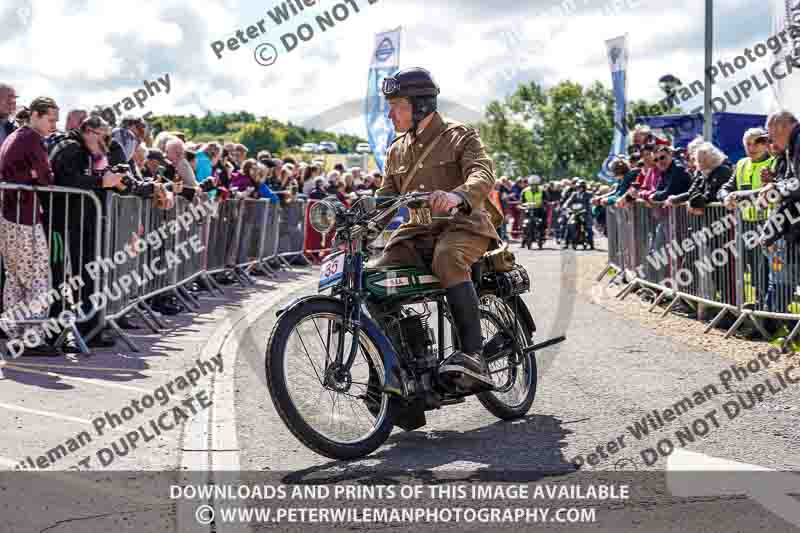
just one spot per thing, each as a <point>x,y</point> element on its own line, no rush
<point>533,228</point>
<point>576,233</point>
<point>344,368</point>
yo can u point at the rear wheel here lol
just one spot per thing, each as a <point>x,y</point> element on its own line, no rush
<point>513,372</point>
<point>337,413</point>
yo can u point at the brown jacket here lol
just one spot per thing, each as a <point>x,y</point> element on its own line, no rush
<point>458,164</point>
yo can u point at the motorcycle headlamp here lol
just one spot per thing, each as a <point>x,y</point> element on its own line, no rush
<point>390,87</point>
<point>322,216</point>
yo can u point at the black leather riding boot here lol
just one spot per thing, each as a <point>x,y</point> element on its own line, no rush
<point>466,368</point>
<point>464,304</point>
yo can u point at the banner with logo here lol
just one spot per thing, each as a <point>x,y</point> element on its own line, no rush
<point>787,90</point>
<point>617,50</point>
<point>385,62</point>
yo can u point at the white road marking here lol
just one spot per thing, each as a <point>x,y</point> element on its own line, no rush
<point>49,414</point>
<point>95,382</point>
<point>217,433</point>
<point>78,367</point>
<point>723,477</point>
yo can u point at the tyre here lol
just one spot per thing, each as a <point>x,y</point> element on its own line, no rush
<point>515,383</point>
<point>341,415</point>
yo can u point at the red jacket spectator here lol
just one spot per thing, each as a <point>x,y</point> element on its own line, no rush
<point>23,160</point>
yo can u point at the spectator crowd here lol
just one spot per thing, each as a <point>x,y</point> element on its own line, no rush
<point>95,153</point>
<point>763,185</point>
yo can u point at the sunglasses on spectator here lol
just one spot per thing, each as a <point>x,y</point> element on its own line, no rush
<point>660,158</point>
<point>105,137</point>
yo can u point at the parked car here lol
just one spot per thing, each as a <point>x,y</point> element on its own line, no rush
<point>355,160</point>
<point>328,147</point>
<point>309,148</point>
<point>363,148</point>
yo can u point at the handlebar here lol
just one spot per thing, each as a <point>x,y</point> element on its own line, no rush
<point>414,200</point>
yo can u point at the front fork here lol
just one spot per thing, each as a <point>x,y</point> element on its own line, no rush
<point>353,269</point>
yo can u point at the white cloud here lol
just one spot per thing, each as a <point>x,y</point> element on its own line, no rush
<point>478,51</point>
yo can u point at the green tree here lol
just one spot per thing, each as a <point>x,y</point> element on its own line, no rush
<point>561,131</point>
<point>256,133</point>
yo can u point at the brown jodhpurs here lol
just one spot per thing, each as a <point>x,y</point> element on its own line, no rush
<point>449,254</point>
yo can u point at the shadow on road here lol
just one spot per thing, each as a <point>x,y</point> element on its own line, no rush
<point>524,450</point>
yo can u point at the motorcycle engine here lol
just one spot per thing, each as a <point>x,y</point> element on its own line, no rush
<point>415,337</point>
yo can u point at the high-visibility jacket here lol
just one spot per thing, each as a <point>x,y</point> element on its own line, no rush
<point>531,197</point>
<point>748,177</point>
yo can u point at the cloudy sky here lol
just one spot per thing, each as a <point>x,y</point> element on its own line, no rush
<point>84,52</point>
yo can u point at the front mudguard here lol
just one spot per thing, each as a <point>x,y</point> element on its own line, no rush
<point>396,383</point>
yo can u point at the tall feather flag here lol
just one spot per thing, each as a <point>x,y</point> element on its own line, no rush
<point>385,62</point>
<point>617,50</point>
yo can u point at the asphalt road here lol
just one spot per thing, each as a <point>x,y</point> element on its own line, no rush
<point>582,430</point>
<point>608,375</point>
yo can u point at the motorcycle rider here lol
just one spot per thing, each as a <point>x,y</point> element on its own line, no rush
<point>449,160</point>
<point>534,196</point>
<point>582,196</point>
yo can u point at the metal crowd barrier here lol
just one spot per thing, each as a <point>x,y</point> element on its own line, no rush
<point>292,232</point>
<point>49,243</point>
<point>706,262</point>
<point>139,251</point>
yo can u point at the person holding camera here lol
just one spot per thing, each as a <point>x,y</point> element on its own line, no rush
<point>78,161</point>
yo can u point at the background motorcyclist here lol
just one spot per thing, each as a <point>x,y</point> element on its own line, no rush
<point>583,196</point>
<point>448,160</point>
<point>533,195</point>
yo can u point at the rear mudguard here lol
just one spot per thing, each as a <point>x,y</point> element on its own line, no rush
<point>524,314</point>
<point>395,380</point>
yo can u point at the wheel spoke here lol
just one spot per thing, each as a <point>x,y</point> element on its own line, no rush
<point>308,356</point>
<point>334,417</point>
<point>510,371</point>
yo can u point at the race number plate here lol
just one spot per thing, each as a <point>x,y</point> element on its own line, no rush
<point>332,271</point>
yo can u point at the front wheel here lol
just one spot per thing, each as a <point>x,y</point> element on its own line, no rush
<point>339,413</point>
<point>514,373</point>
